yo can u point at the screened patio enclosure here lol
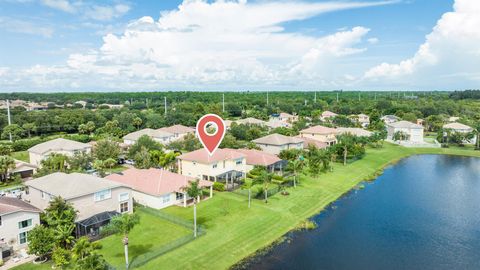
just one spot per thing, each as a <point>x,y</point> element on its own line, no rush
<point>91,227</point>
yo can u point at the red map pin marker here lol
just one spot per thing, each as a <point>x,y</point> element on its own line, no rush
<point>211,141</point>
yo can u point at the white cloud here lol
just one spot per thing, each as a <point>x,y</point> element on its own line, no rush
<point>62,5</point>
<point>106,13</point>
<point>449,57</point>
<point>223,44</point>
<point>373,40</point>
<point>25,27</point>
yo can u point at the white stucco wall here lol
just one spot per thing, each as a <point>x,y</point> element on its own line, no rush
<point>9,230</point>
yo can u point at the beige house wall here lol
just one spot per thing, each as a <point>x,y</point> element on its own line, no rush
<point>276,149</point>
<point>197,170</point>
<point>326,138</point>
<point>9,230</point>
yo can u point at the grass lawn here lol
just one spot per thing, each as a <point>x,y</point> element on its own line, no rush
<point>117,169</point>
<point>235,231</point>
<point>150,234</point>
<point>21,155</point>
<point>31,266</point>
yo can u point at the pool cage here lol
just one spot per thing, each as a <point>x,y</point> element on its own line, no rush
<point>91,227</point>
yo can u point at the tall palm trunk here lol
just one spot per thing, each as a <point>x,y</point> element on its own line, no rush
<point>345,151</point>
<point>266,195</point>
<point>195,219</point>
<point>249,196</point>
<point>125,246</point>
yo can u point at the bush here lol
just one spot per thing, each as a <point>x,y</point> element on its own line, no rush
<point>219,186</point>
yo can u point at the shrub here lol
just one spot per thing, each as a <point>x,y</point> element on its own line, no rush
<point>219,186</point>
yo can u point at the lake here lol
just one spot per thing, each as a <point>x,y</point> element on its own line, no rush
<point>422,213</point>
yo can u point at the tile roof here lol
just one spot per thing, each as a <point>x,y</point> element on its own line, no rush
<point>177,129</point>
<point>319,130</point>
<point>354,131</point>
<point>154,181</point>
<point>277,139</point>
<point>23,166</point>
<point>251,121</point>
<point>72,185</point>
<point>202,156</point>
<point>458,126</point>
<point>152,133</point>
<point>405,124</point>
<point>312,142</point>
<point>257,157</point>
<point>328,114</point>
<point>12,205</point>
<point>59,144</point>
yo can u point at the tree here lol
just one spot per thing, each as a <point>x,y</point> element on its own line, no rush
<point>477,140</point>
<point>80,161</point>
<point>123,225</point>
<point>265,178</point>
<point>100,166</point>
<point>295,165</point>
<point>5,149</point>
<point>105,149</point>
<point>142,159</point>
<point>168,160</point>
<point>61,257</point>
<point>93,261</point>
<point>85,256</point>
<point>7,163</point>
<point>401,136</point>
<point>137,122</point>
<point>55,162</point>
<point>41,241</point>
<point>29,128</point>
<point>143,142</point>
<point>60,216</point>
<point>194,191</point>
<point>15,130</point>
<point>110,163</point>
<point>87,128</point>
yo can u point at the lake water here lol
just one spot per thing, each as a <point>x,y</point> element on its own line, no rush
<point>422,213</point>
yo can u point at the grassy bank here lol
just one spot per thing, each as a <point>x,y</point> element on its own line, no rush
<point>235,231</point>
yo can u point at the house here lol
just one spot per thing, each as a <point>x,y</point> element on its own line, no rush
<point>275,143</point>
<point>160,136</point>
<point>41,151</point>
<point>359,132</point>
<point>17,218</point>
<point>420,121</point>
<point>320,133</point>
<point>453,119</point>
<point>309,142</point>
<point>157,188</point>
<point>326,115</point>
<point>413,131</point>
<point>284,117</point>
<point>275,123</point>
<point>24,169</point>
<point>458,127</point>
<point>262,158</point>
<point>363,120</point>
<point>96,199</point>
<point>388,119</point>
<point>224,165</point>
<point>250,121</point>
<point>178,131</point>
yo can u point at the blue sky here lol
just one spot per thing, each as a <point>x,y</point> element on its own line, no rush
<point>60,45</point>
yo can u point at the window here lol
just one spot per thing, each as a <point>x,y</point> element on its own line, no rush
<point>25,223</point>
<point>124,207</point>
<point>22,237</point>
<point>178,196</point>
<point>165,198</point>
<point>0,220</point>
<point>238,161</point>
<point>103,195</point>
<point>215,166</point>
<point>123,197</point>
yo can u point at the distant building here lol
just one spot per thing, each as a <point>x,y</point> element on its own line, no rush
<point>414,131</point>
<point>41,151</point>
<point>309,142</point>
<point>320,133</point>
<point>326,115</point>
<point>96,199</point>
<point>17,218</point>
<point>364,120</point>
<point>250,121</point>
<point>359,132</point>
<point>160,136</point>
<point>157,188</point>
<point>178,131</point>
<point>458,127</point>
<point>275,143</point>
<point>262,158</point>
<point>453,119</point>
<point>23,169</point>
<point>388,119</point>
<point>284,117</point>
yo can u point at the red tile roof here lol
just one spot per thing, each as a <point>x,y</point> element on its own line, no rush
<point>309,141</point>
<point>202,156</point>
<point>257,157</point>
<point>11,205</point>
<point>154,181</point>
<point>319,130</point>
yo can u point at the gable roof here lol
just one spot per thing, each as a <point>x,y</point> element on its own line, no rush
<point>360,132</point>
<point>312,142</point>
<point>202,156</point>
<point>390,116</point>
<point>405,124</point>
<point>152,133</point>
<point>177,129</point>
<point>10,205</point>
<point>459,126</point>
<point>328,114</point>
<point>21,166</point>
<point>319,130</point>
<point>59,144</point>
<point>72,185</point>
<point>277,139</point>
<point>154,181</point>
<point>257,157</point>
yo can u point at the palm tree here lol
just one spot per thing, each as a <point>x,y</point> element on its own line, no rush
<point>477,142</point>
<point>194,191</point>
<point>122,225</point>
<point>248,185</point>
<point>265,178</point>
<point>7,163</point>
<point>295,165</point>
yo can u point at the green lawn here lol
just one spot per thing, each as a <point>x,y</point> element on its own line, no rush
<point>31,266</point>
<point>234,231</point>
<point>21,155</point>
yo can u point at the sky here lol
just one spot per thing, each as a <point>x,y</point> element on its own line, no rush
<point>82,45</point>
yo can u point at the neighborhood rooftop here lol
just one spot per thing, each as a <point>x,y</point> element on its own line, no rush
<point>405,124</point>
<point>149,132</point>
<point>257,157</point>
<point>457,126</point>
<point>58,144</point>
<point>202,156</point>
<point>154,181</point>
<point>11,205</point>
<point>71,185</point>
<point>277,139</point>
<point>319,130</point>
<point>177,129</point>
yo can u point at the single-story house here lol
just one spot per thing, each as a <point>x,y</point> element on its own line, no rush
<point>327,115</point>
<point>359,132</point>
<point>17,218</point>
<point>458,127</point>
<point>178,131</point>
<point>262,158</point>
<point>160,136</point>
<point>24,169</point>
<point>320,133</point>
<point>275,143</point>
<point>96,199</point>
<point>41,151</point>
<point>388,119</point>
<point>225,165</point>
<point>157,188</point>
<point>414,131</point>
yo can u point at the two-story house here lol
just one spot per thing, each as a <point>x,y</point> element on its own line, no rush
<point>66,147</point>
<point>275,143</point>
<point>96,199</point>
<point>160,136</point>
<point>320,133</point>
<point>178,131</point>
<point>17,218</point>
